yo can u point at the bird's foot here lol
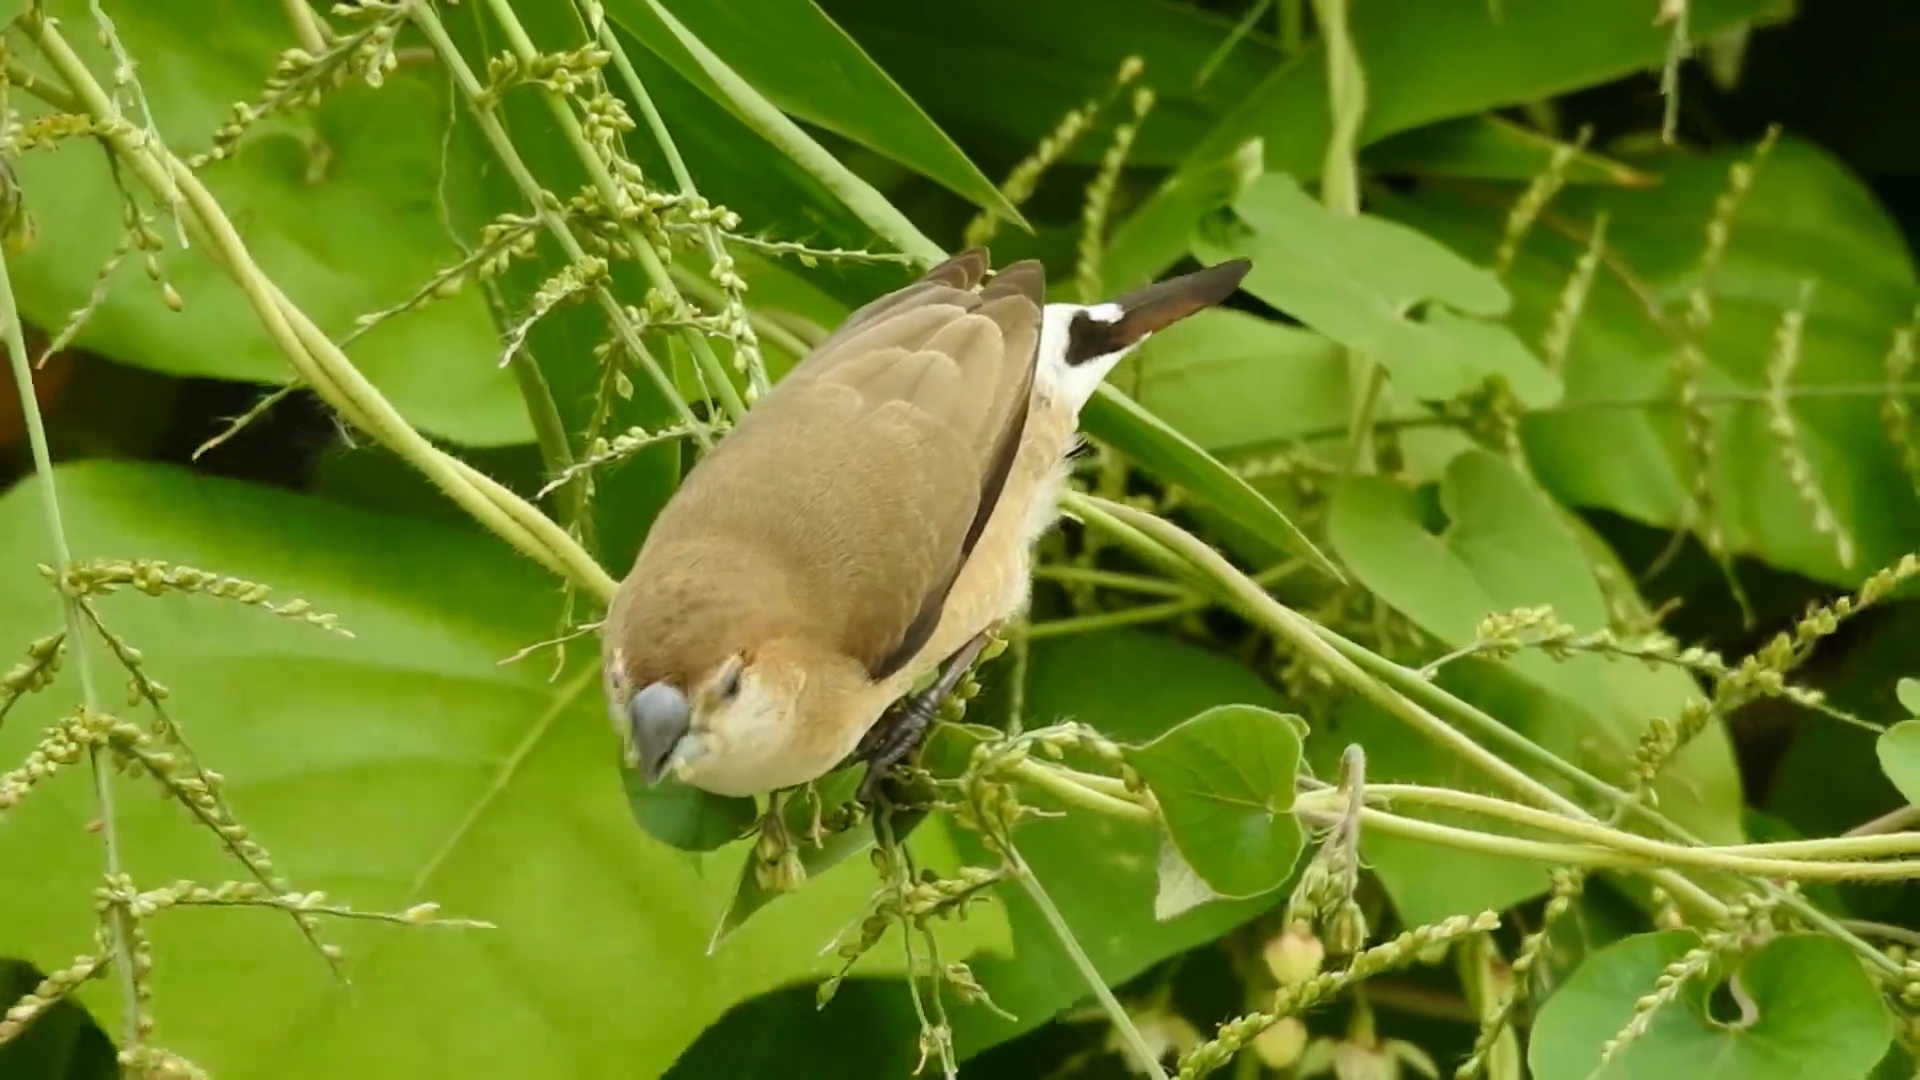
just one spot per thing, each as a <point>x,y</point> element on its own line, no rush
<point>897,736</point>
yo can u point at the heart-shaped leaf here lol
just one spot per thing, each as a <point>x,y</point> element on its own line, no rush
<point>1800,1007</point>
<point>1503,546</point>
<point>1225,783</point>
<point>1908,691</point>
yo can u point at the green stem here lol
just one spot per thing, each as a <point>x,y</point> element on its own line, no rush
<point>1115,1012</point>
<point>759,114</point>
<point>1305,636</point>
<point>1110,620</point>
<point>317,361</point>
<point>1111,579</point>
<point>1068,789</point>
<point>516,166</point>
<point>1351,664</point>
<point>716,250</point>
<point>1628,850</point>
<point>119,919</point>
<point>616,199</point>
<point>764,327</point>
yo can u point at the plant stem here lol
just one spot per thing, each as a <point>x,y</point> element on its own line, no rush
<point>1111,579</point>
<point>119,919</point>
<point>1115,1012</point>
<point>611,193</point>
<point>1351,664</point>
<point>316,360</point>
<point>1305,635</point>
<point>516,166</point>
<point>1602,847</point>
<point>1067,789</point>
<point>716,250</point>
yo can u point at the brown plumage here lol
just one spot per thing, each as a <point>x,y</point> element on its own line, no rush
<point>868,518</point>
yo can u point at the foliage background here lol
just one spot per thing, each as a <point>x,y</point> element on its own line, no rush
<point>408,763</point>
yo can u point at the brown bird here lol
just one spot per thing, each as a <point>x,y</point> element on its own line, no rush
<point>869,521</point>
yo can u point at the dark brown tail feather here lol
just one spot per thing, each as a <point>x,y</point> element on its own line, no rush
<point>1155,307</point>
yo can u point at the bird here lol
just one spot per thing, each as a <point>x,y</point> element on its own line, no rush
<point>869,522</point>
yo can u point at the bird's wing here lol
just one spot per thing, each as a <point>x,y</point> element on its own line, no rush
<point>871,469</point>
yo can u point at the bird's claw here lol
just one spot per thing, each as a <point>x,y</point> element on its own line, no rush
<point>897,736</point>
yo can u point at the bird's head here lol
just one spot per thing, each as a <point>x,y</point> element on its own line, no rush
<point>711,681</point>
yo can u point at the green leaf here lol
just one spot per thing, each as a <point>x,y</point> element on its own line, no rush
<point>1102,873</point>
<point>1501,545</point>
<point>339,206</point>
<point>1803,219</point>
<point>808,67</point>
<point>1237,384</point>
<point>1359,280</point>
<point>1908,691</point>
<point>1425,60</point>
<point>405,764</point>
<point>1491,147</point>
<point>1007,71</point>
<point>686,817</point>
<point>1801,1006</point>
<point>1899,750</point>
<point>1174,458</point>
<point>1224,781</point>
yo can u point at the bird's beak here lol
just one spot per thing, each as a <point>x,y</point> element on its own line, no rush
<point>658,717</point>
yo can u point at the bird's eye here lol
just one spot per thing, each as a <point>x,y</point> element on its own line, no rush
<point>729,684</point>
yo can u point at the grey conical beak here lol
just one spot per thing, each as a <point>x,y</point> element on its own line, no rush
<point>658,717</point>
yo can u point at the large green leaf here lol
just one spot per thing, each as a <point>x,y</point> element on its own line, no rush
<point>805,64</point>
<point>340,207</point>
<point>405,764</point>
<point>1425,60</point>
<point>1502,546</point>
<point>1804,219</point>
<point>1237,384</point>
<point>1490,147</point>
<point>1804,1008</point>
<point>1224,781</point>
<point>1361,281</point>
<point>1102,873</point>
<point>1008,70</point>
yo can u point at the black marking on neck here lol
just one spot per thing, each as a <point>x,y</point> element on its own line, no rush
<point>1089,339</point>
